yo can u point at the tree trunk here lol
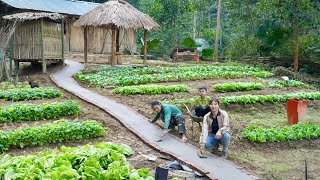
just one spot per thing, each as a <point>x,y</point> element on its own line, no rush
<point>145,47</point>
<point>194,25</point>
<point>296,51</point>
<point>174,34</point>
<point>215,59</point>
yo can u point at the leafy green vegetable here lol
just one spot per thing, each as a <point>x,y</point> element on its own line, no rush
<point>130,76</point>
<point>245,99</point>
<point>298,131</point>
<point>102,161</point>
<point>8,85</point>
<point>35,112</point>
<point>237,86</point>
<point>50,133</point>
<point>283,83</point>
<point>150,89</point>
<point>29,94</point>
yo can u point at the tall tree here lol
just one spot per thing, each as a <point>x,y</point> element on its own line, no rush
<point>215,59</point>
<point>295,14</point>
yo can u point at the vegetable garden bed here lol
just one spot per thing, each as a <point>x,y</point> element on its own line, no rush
<point>245,99</point>
<point>239,86</point>
<point>249,86</point>
<point>35,112</point>
<point>50,133</point>
<point>240,117</point>
<point>130,76</point>
<point>295,132</point>
<point>22,94</point>
<point>150,89</point>
<point>101,161</point>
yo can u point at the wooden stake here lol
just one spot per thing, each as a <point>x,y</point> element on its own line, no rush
<point>306,169</point>
<point>145,47</point>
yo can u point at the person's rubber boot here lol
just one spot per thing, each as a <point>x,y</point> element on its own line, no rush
<point>224,155</point>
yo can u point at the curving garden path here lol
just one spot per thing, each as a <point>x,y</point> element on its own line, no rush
<point>214,167</point>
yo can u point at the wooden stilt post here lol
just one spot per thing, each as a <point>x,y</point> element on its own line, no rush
<point>44,63</point>
<point>113,47</point>
<point>85,36</point>
<point>145,47</point>
<point>62,40</point>
<point>11,59</point>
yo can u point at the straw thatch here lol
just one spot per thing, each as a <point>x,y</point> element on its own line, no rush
<point>118,13</point>
<point>33,15</point>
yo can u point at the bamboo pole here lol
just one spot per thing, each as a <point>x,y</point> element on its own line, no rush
<point>145,47</point>
<point>44,63</point>
<point>11,59</point>
<point>85,45</point>
<point>113,47</point>
<point>62,40</point>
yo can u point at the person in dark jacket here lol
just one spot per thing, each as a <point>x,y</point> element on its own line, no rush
<point>171,116</point>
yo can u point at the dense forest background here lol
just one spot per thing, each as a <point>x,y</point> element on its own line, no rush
<point>248,27</point>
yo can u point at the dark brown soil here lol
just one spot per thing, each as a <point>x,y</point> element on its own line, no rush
<point>267,160</point>
<point>115,131</point>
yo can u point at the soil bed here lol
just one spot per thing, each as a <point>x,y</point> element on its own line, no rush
<point>115,131</point>
<point>283,160</point>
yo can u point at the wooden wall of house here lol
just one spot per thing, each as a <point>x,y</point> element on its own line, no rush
<point>52,40</point>
<point>99,39</point>
<point>27,41</point>
<point>127,39</point>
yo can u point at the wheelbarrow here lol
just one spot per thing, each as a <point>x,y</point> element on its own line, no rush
<point>195,119</point>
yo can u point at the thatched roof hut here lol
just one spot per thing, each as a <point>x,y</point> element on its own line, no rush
<point>117,14</point>
<point>99,39</point>
<point>38,37</point>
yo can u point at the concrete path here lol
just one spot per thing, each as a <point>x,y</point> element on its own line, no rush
<point>215,167</point>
